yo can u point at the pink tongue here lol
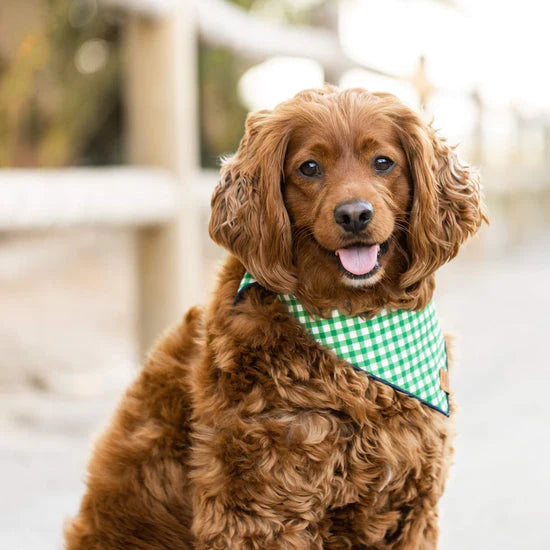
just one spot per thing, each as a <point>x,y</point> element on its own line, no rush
<point>359,260</point>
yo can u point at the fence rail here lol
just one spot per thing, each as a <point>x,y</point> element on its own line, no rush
<point>43,199</point>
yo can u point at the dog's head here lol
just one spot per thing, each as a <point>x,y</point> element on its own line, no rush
<point>345,198</point>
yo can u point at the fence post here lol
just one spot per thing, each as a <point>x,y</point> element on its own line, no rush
<point>160,87</point>
<point>477,153</point>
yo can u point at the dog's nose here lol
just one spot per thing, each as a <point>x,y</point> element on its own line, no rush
<point>354,215</point>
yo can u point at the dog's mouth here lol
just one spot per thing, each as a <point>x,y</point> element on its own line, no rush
<point>360,260</point>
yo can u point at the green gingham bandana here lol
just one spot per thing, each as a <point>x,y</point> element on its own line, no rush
<point>404,349</point>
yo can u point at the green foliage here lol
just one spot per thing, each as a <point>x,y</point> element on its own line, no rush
<point>52,110</point>
<point>53,113</point>
<point>222,114</point>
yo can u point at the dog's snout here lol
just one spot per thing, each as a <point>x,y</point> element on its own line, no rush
<point>354,215</point>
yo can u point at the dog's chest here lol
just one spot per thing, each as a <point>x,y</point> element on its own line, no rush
<point>388,455</point>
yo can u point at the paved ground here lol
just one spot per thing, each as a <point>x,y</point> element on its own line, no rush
<point>497,497</point>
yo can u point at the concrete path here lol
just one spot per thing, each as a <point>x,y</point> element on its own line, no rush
<point>498,496</point>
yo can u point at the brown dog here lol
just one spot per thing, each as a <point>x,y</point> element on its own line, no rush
<point>242,431</point>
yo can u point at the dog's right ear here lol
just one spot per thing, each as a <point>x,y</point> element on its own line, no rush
<point>447,202</point>
<point>248,216</point>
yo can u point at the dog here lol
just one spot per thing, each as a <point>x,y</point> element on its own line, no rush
<point>243,431</point>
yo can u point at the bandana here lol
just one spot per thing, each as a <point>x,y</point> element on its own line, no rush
<point>403,349</point>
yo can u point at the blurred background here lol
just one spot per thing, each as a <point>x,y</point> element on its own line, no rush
<point>113,115</point>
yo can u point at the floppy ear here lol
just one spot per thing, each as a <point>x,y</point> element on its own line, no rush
<point>447,205</point>
<point>248,216</point>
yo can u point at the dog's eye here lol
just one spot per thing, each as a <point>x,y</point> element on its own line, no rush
<point>310,169</point>
<point>383,164</point>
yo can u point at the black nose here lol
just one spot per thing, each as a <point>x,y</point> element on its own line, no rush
<point>354,215</point>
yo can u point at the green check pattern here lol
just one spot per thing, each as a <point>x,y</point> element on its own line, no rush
<point>405,349</point>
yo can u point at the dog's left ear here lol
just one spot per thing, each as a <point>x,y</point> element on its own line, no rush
<point>447,204</point>
<point>248,215</point>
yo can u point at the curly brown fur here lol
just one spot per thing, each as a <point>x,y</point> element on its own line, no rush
<point>241,431</point>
